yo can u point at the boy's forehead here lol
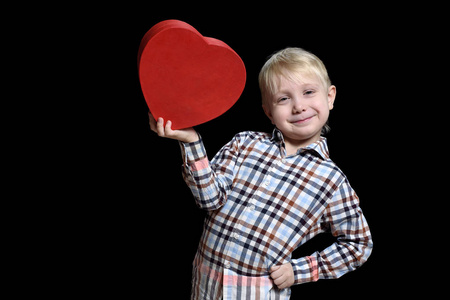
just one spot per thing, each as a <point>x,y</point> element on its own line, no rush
<point>283,81</point>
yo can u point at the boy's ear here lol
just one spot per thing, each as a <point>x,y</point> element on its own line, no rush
<point>268,113</point>
<point>331,96</point>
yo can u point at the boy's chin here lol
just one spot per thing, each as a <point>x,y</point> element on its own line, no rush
<point>303,135</point>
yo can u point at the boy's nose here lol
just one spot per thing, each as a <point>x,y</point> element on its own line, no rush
<point>297,107</point>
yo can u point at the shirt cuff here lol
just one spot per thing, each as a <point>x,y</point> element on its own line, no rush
<point>305,269</point>
<point>194,155</point>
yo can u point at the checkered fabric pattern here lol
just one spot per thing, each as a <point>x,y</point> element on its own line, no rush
<point>261,206</point>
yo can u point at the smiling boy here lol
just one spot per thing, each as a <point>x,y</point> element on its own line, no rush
<point>267,194</point>
<point>297,96</point>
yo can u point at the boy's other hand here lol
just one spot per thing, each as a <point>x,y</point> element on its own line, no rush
<point>188,135</point>
<point>282,276</point>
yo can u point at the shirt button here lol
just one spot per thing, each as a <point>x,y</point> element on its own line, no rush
<point>227,264</point>
<point>251,207</point>
<point>236,236</point>
<point>266,183</point>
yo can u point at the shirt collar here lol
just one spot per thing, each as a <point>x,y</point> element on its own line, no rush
<point>277,136</point>
<point>320,147</point>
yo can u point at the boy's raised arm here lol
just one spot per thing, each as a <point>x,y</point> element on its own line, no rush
<point>209,187</point>
<point>210,182</point>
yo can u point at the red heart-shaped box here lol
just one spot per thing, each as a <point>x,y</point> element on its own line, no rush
<point>185,77</point>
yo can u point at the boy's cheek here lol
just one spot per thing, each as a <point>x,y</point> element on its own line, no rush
<point>268,112</point>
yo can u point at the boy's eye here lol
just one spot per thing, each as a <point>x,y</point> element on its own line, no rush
<point>282,99</point>
<point>308,92</point>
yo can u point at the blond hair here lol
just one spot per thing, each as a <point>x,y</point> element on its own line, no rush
<point>291,63</point>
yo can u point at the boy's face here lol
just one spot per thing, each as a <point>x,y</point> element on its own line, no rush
<point>300,109</point>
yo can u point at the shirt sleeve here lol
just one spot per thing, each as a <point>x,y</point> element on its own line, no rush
<point>209,182</point>
<point>345,219</point>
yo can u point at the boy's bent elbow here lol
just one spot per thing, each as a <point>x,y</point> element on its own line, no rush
<point>360,251</point>
<point>209,203</point>
<point>209,198</point>
<point>366,249</point>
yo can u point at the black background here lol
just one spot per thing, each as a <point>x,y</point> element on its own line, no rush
<point>127,225</point>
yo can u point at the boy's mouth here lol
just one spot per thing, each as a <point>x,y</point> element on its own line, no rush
<point>301,120</point>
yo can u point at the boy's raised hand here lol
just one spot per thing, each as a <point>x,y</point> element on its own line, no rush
<point>188,135</point>
<point>282,276</point>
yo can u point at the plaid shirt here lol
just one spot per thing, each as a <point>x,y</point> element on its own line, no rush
<point>261,206</point>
